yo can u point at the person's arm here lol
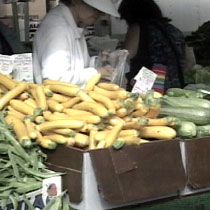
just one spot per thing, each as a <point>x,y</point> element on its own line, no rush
<point>132,40</point>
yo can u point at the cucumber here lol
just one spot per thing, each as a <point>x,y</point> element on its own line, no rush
<point>199,116</point>
<point>176,92</point>
<point>185,102</point>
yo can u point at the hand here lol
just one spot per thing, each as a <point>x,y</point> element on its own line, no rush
<point>106,72</point>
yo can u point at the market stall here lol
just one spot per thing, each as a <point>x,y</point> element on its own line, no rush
<point>157,145</point>
<point>63,146</point>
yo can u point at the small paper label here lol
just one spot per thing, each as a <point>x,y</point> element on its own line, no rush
<point>51,188</point>
<point>144,81</point>
<point>17,65</point>
<point>6,64</point>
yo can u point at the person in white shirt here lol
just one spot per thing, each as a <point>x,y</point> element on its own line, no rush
<point>59,48</point>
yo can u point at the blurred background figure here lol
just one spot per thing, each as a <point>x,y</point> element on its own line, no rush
<point>9,42</point>
<point>152,42</point>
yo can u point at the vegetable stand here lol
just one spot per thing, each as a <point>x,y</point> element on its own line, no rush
<point>115,147</point>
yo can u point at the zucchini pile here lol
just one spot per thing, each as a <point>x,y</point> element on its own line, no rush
<point>190,108</point>
<point>92,117</point>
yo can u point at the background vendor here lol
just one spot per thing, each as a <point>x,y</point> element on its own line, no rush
<point>153,42</point>
<point>60,50</point>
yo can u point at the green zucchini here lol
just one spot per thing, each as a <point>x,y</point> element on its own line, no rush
<point>176,92</point>
<point>199,116</point>
<point>203,130</point>
<point>186,130</point>
<point>185,102</point>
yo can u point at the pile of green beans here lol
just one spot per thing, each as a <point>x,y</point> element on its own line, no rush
<point>21,170</point>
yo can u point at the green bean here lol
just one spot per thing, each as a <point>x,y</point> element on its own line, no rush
<point>55,203</point>
<point>5,194</point>
<point>25,165</point>
<point>41,165</point>
<point>50,204</point>
<point>2,138</point>
<point>3,203</point>
<point>58,203</point>
<point>14,142</point>
<point>3,160</point>
<point>6,180</point>
<point>37,157</point>
<point>28,179</point>
<point>14,166</point>
<point>20,160</point>
<point>30,207</point>
<point>6,173</point>
<point>8,164</point>
<point>34,158</point>
<point>5,147</point>
<point>22,188</point>
<point>2,189</point>
<point>3,167</point>
<point>14,201</point>
<point>39,174</point>
<point>66,204</point>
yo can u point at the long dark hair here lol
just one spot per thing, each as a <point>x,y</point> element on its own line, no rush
<point>140,10</point>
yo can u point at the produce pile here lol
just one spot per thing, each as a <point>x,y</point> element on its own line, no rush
<point>97,116</point>
<point>21,170</point>
<point>198,75</point>
<point>94,117</point>
<point>190,108</point>
<point>100,114</point>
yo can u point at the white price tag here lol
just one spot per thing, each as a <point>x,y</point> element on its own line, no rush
<point>6,64</point>
<point>144,81</point>
<point>17,65</point>
<point>51,188</point>
<point>23,69</point>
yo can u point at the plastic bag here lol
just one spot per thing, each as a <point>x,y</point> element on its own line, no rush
<point>117,60</point>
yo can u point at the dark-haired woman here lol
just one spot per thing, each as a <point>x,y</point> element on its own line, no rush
<point>152,42</point>
<point>60,50</point>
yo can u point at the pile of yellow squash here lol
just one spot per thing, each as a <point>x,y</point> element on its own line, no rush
<point>92,117</point>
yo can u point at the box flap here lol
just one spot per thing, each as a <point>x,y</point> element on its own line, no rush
<point>68,160</point>
<point>198,162</point>
<point>139,172</point>
<point>126,162</point>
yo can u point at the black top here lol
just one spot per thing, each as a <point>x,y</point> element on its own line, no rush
<point>160,43</point>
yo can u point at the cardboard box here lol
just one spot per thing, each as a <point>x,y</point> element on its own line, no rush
<point>38,198</point>
<point>196,160</point>
<point>106,178</point>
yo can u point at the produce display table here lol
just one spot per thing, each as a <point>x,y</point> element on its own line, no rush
<point>91,183</point>
<point>194,202</point>
<point>92,175</point>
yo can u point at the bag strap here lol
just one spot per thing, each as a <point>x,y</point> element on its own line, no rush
<point>173,47</point>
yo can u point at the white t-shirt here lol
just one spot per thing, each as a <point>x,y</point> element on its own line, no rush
<point>60,49</point>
